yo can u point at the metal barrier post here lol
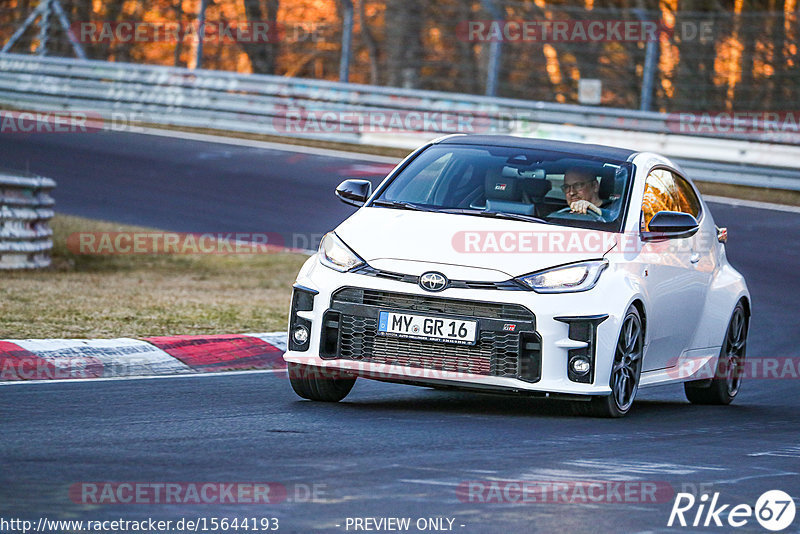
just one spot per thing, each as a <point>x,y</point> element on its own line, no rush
<point>44,29</point>
<point>43,10</point>
<point>649,72</point>
<point>495,52</point>
<point>347,40</point>
<point>201,23</point>
<point>77,47</point>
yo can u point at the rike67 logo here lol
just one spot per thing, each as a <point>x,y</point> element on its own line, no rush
<point>774,510</point>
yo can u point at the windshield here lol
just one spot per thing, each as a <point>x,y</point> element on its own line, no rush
<point>501,182</point>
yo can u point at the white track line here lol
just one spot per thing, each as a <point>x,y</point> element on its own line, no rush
<point>752,204</point>
<point>238,141</point>
<point>209,138</point>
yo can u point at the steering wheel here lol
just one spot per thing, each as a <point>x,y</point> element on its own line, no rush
<point>566,214</point>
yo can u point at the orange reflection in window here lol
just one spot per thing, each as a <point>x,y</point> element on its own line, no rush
<point>664,191</point>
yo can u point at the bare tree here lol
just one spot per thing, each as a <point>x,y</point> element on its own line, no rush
<point>404,23</point>
<point>777,96</point>
<point>177,8</point>
<point>744,91</point>
<point>263,56</point>
<point>694,79</point>
<point>370,42</point>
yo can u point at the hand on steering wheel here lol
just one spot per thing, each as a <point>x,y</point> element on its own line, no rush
<point>584,207</point>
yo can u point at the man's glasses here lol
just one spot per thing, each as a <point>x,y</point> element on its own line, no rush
<point>574,186</point>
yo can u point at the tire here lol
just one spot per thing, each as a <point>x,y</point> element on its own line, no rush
<point>727,381</point>
<point>319,384</point>
<point>625,372</point>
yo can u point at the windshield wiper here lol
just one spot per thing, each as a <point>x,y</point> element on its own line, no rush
<point>460,211</point>
<point>400,205</point>
<point>498,215</point>
<point>513,216</point>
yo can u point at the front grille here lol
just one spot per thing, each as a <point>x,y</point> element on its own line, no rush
<point>384,299</point>
<point>496,353</point>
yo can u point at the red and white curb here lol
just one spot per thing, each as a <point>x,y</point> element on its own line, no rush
<point>59,359</point>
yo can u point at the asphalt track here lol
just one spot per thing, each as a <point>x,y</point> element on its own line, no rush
<point>388,450</point>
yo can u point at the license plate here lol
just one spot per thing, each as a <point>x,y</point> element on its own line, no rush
<point>445,329</point>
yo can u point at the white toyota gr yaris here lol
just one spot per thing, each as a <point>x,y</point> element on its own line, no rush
<point>523,266</point>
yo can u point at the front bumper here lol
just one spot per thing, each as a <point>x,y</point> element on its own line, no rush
<point>526,340</point>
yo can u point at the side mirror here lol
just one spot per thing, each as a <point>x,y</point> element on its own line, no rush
<point>670,225</point>
<point>354,192</point>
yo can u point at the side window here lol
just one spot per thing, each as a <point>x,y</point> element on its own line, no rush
<point>417,184</point>
<point>666,191</point>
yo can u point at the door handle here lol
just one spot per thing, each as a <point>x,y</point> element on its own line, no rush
<point>695,257</point>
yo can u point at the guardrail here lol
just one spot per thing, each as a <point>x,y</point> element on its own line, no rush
<point>249,99</point>
<point>25,212</point>
<point>344,112</point>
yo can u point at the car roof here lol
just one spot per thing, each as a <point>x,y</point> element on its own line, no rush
<point>583,149</point>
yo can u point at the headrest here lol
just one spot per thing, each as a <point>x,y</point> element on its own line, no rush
<point>509,183</point>
<point>608,182</point>
<point>612,182</point>
<point>500,187</point>
<point>536,188</point>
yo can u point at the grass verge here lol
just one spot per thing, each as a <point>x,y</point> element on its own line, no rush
<point>745,192</point>
<point>83,296</point>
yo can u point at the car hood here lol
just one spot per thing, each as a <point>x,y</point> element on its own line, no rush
<point>413,242</point>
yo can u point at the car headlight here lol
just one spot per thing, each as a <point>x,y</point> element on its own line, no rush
<point>335,254</point>
<point>566,279</point>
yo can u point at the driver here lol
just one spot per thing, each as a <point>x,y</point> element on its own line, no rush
<point>581,190</point>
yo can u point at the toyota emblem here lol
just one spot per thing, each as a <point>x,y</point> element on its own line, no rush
<point>433,281</point>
